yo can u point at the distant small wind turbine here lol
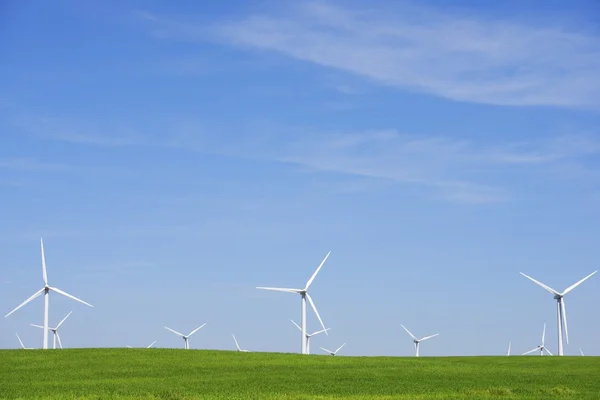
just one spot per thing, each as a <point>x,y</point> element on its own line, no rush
<point>150,345</point>
<point>55,331</point>
<point>417,341</point>
<point>333,353</point>
<point>304,296</point>
<point>186,344</point>
<point>561,312</point>
<point>46,291</point>
<point>22,345</point>
<point>508,348</point>
<point>237,345</point>
<point>310,335</point>
<point>581,351</point>
<point>541,347</point>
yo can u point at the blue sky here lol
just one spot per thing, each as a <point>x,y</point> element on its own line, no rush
<point>174,157</point>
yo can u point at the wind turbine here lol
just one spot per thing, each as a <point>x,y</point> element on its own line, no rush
<point>304,295</point>
<point>417,341</point>
<point>508,348</point>
<point>55,331</point>
<point>22,345</point>
<point>46,291</point>
<point>333,353</point>
<point>237,345</point>
<point>186,344</point>
<point>561,312</point>
<point>309,335</point>
<point>541,347</point>
<point>150,345</point>
<point>581,351</point>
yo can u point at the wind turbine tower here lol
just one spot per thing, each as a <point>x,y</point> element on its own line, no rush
<point>561,312</point>
<point>417,341</point>
<point>186,344</point>
<point>46,292</point>
<point>304,296</point>
<point>309,335</point>
<point>56,336</point>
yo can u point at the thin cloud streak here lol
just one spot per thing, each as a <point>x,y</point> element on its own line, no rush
<point>453,168</point>
<point>458,171</point>
<point>421,49</point>
<point>29,164</point>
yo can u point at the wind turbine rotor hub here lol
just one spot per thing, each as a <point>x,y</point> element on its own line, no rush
<point>558,296</point>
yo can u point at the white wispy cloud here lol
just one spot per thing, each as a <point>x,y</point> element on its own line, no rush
<point>462,171</point>
<point>31,164</point>
<point>410,46</point>
<point>456,170</point>
<point>67,130</point>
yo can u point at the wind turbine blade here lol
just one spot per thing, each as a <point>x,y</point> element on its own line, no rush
<point>328,351</point>
<point>339,348</point>
<point>36,294</point>
<point>407,331</point>
<point>548,288</point>
<point>70,296</point>
<point>44,273</point>
<point>279,289</point>
<point>544,335</point>
<point>23,346</point>
<point>129,347</point>
<point>297,326</point>
<point>151,344</point>
<point>312,278</point>
<point>177,333</point>
<point>564,316</point>
<point>312,304</point>
<point>509,343</point>
<point>58,338</point>
<point>530,351</point>
<point>37,326</point>
<point>63,320</point>
<point>236,343</point>
<point>321,331</point>
<point>567,290</point>
<point>428,337</point>
<point>581,351</point>
<point>196,330</point>
<point>548,351</point>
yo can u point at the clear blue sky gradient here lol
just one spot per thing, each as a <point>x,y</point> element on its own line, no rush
<point>175,155</point>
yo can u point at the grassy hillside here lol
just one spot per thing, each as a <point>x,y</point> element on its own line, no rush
<point>180,374</point>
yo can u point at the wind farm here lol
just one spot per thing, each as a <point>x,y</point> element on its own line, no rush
<point>499,380</point>
<point>411,188</point>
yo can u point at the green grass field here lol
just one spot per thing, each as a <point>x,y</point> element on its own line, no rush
<point>179,374</point>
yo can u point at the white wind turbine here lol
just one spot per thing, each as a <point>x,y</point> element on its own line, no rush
<point>150,345</point>
<point>304,295</point>
<point>237,345</point>
<point>417,341</point>
<point>561,312</point>
<point>22,345</point>
<point>46,291</point>
<point>333,353</point>
<point>186,344</point>
<point>55,331</point>
<point>541,347</point>
<point>309,335</point>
